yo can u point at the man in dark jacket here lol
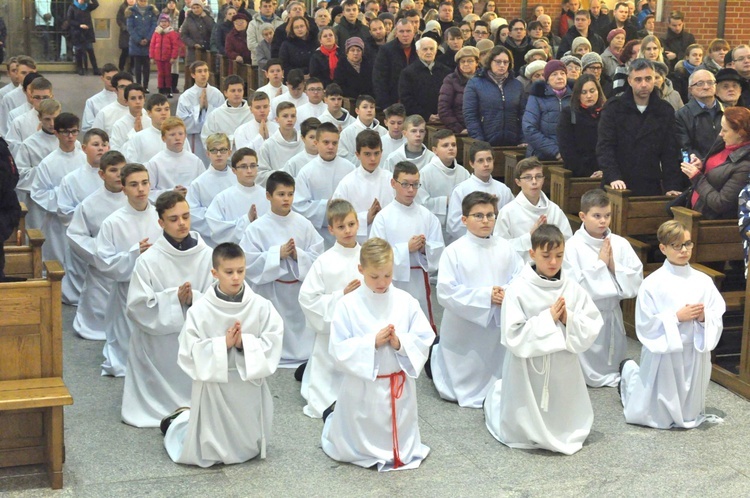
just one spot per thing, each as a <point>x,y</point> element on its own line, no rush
<point>582,28</point>
<point>677,39</point>
<point>350,26</point>
<point>376,39</point>
<point>622,21</point>
<point>599,21</point>
<point>420,82</point>
<point>10,210</point>
<point>518,43</point>
<point>741,61</point>
<point>637,148</point>
<point>392,58</point>
<point>699,121</point>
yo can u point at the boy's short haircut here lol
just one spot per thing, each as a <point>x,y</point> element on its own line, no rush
<point>95,132</point>
<point>594,198</point>
<point>241,154</point>
<point>11,61</point>
<point>108,68</point>
<point>40,83</point>
<point>308,125</point>
<point>338,209</point>
<point>326,128</point>
<point>395,110</point>
<point>370,139</point>
<point>414,120</point>
<point>334,89</point>
<point>216,139</point>
<point>25,60</point>
<point>692,47</point>
<point>66,121</point>
<point>475,198</point>
<point>122,75</point>
<point>49,106</point>
<point>168,200</point>
<point>375,253</point>
<point>283,106</point>
<point>171,123</point>
<point>259,96</point>
<point>442,134</point>
<point>477,147</point>
<point>195,65</point>
<point>28,80</point>
<point>405,167</point>
<point>134,87</point>
<point>364,98</point>
<point>312,80</point>
<point>156,99</point>
<point>278,178</point>
<point>129,169</point>
<point>670,231</point>
<point>347,3</point>
<point>111,158</point>
<point>227,250</point>
<point>232,79</point>
<point>273,62</point>
<point>295,78</point>
<point>525,165</point>
<point>547,237</point>
<point>452,32</point>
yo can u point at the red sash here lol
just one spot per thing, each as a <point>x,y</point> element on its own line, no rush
<point>428,291</point>
<point>397,379</point>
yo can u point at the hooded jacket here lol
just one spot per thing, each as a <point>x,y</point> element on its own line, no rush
<point>540,120</point>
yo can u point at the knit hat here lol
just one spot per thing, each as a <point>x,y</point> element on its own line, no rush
<point>589,59</point>
<point>466,52</point>
<point>580,40</point>
<point>433,35</point>
<point>496,23</point>
<point>485,45</point>
<point>615,32</point>
<point>552,66</point>
<point>164,17</point>
<point>533,67</point>
<point>386,15</point>
<point>433,26</point>
<point>536,51</point>
<point>336,11</point>
<point>570,59</point>
<point>354,41</point>
<point>196,2</point>
<point>239,16</point>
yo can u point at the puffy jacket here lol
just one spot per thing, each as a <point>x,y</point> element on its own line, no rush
<point>389,63</point>
<point>165,45</point>
<point>576,137</point>
<point>720,187</point>
<point>451,101</point>
<point>540,120</point>
<point>196,30</point>
<point>141,27</point>
<point>219,36</point>
<point>236,44</point>
<point>697,129</point>
<point>75,18</point>
<point>354,83</point>
<point>295,53</point>
<point>419,88</point>
<point>493,113</point>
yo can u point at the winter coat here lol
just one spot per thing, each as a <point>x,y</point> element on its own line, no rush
<point>451,101</point>
<point>295,53</point>
<point>354,83</point>
<point>165,45</point>
<point>254,35</point>
<point>389,63</point>
<point>219,36</point>
<point>610,63</point>
<point>236,44</point>
<point>577,133</point>
<point>540,120</point>
<point>720,187</point>
<point>493,113</point>
<point>677,44</point>
<point>280,36</point>
<point>320,69</point>
<point>123,42</point>
<point>698,128</point>
<point>519,52</point>
<point>141,27</point>
<point>419,88</point>
<point>76,17</point>
<point>597,44</point>
<point>671,95</point>
<point>345,30</point>
<point>639,148</point>
<point>196,30</point>
<point>631,30</point>
<point>447,58</point>
<point>679,78</point>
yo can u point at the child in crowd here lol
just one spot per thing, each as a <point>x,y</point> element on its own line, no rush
<point>163,50</point>
<point>135,120</point>
<point>308,132</point>
<point>315,105</point>
<point>283,144</point>
<point>365,108</point>
<point>547,321</point>
<point>335,113</point>
<point>274,74</point>
<point>295,82</point>
<point>195,104</point>
<point>395,115</point>
<point>111,113</point>
<point>414,150</point>
<point>259,129</point>
<point>232,114</point>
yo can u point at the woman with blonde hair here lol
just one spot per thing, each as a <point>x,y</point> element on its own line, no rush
<point>651,49</point>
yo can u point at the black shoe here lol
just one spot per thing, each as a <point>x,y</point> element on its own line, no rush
<point>175,90</point>
<point>167,421</point>
<point>97,72</point>
<point>428,365</point>
<point>328,411</point>
<point>81,72</point>
<point>169,95</point>
<point>300,372</point>
<point>619,384</point>
<point>147,92</point>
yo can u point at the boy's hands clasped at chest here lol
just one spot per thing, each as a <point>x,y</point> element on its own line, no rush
<point>387,335</point>
<point>234,336</point>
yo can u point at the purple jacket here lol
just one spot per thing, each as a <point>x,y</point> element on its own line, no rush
<point>451,101</point>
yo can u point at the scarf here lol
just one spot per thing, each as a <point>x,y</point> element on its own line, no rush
<point>591,111</point>
<point>717,160</point>
<point>269,20</point>
<point>560,93</point>
<point>688,67</point>
<point>499,80</point>
<point>357,66</point>
<point>333,58</point>
<point>81,6</point>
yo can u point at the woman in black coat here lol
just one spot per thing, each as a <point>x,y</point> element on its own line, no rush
<point>297,49</point>
<point>354,73</point>
<point>82,32</point>
<point>124,40</point>
<point>577,128</point>
<point>324,60</point>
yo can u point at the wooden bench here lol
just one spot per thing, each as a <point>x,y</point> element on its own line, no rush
<point>14,239</point>
<point>715,240</point>
<point>566,191</point>
<point>25,261</point>
<point>461,155</point>
<point>637,215</point>
<point>32,393</point>
<point>498,156</point>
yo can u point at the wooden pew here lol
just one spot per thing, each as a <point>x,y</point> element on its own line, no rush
<point>14,239</point>
<point>637,215</point>
<point>566,191</point>
<point>736,381</point>
<point>498,154</point>
<point>32,392</point>
<point>715,240</point>
<point>25,261</point>
<point>247,72</point>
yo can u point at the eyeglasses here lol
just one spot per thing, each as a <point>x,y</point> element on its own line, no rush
<point>529,178</point>
<point>501,62</point>
<point>482,216</point>
<point>245,167</point>
<point>687,245</point>
<point>594,68</point>
<point>69,133</point>
<point>406,185</point>
<point>223,150</point>
<point>702,84</point>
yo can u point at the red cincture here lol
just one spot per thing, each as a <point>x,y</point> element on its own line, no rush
<point>397,379</point>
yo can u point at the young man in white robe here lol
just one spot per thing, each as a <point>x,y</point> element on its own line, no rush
<point>295,83</point>
<point>335,112</point>
<point>230,343</point>
<point>333,275</point>
<point>606,265</point>
<point>122,237</point>
<point>365,109</point>
<point>167,280</point>
<point>233,209</point>
<point>259,129</point>
<point>441,176</point>
<point>26,120</point>
<point>73,189</point>
<point>678,320</point>
<point>530,209</point>
<point>280,248</point>
<point>11,69</point>
<point>414,150</point>
<point>274,73</point>
<point>415,234</point>
<point>100,100</point>
<point>134,121</point>
<point>482,165</point>
<point>283,144</point>
<point>380,340</point>
<point>174,167</point>
<point>315,105</point>
<point>368,187</point>
<point>15,96</point>
<point>308,132</point>
<point>228,117</point>
<point>195,104</point>
<point>111,113</point>
<point>469,358</point>
<point>204,189</point>
<point>317,181</point>
<point>547,321</point>
<point>90,320</point>
<point>145,144</point>
<point>395,115</point>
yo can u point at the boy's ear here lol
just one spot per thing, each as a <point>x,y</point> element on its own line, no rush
<point>581,215</point>
<point>359,267</point>
<point>268,196</point>
<point>663,249</point>
<point>214,273</point>
<point>464,219</point>
<point>531,253</point>
<point>518,182</point>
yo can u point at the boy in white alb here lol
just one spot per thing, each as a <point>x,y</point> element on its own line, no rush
<point>530,209</point>
<point>174,167</point>
<point>111,113</point>
<point>233,209</point>
<point>230,343</point>
<point>379,341</point>
<point>259,129</point>
<point>16,96</point>
<point>145,144</point>
<point>678,320</point>
<point>308,131</point>
<point>482,164</point>
<point>395,115</point>
<point>335,113</point>
<point>90,320</point>
<point>606,266</point>
<point>97,102</point>
<point>134,121</point>
<point>414,150</point>
<point>415,235</point>
<point>204,189</point>
<point>280,146</point>
<point>469,358</point>
<point>547,321</point>
<point>315,105</point>
<point>333,275</point>
<point>228,117</point>
<point>295,82</point>
<point>274,74</point>
<point>195,104</point>
<point>280,247</point>
<point>317,181</point>
<point>122,237</point>
<point>27,121</point>
<point>167,280</point>
<point>365,108</point>
<point>368,187</point>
